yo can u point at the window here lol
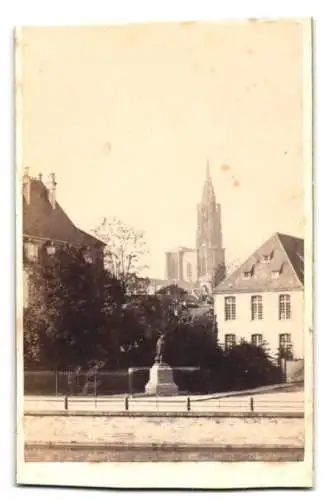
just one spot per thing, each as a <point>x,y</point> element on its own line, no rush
<point>276,272</point>
<point>229,340</point>
<point>249,273</point>
<point>256,307</point>
<point>189,271</point>
<point>31,251</point>
<point>284,307</point>
<point>88,256</point>
<point>285,346</point>
<point>51,250</point>
<point>257,339</point>
<point>230,308</point>
<point>267,258</point>
<point>285,339</point>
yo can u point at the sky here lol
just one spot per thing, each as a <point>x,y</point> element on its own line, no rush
<point>127,118</point>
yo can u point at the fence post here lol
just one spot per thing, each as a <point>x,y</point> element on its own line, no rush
<point>188,403</point>
<point>66,402</point>
<point>126,402</point>
<point>56,382</point>
<point>130,381</point>
<point>95,388</point>
<point>252,404</point>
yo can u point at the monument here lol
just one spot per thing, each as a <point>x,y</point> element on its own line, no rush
<point>161,381</point>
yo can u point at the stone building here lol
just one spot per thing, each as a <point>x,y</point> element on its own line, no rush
<point>205,263</point>
<point>46,226</point>
<point>262,300</point>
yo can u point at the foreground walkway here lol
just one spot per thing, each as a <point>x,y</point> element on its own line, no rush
<point>266,399</point>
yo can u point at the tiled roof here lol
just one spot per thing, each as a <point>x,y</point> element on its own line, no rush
<point>40,220</point>
<point>284,268</point>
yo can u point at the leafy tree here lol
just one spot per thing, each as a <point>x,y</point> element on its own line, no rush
<point>125,250</point>
<point>136,285</point>
<point>66,324</point>
<point>246,365</point>
<point>172,290</point>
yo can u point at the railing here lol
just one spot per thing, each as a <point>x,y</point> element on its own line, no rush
<point>130,404</point>
<point>70,383</point>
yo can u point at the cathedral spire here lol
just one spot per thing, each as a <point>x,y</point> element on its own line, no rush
<point>208,189</point>
<point>210,254</point>
<point>208,171</point>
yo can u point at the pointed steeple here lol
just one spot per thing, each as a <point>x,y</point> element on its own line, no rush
<point>208,171</point>
<point>209,234</point>
<point>208,189</point>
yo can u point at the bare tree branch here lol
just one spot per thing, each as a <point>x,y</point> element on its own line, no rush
<point>125,249</point>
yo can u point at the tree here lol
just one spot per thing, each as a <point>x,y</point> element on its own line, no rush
<point>142,323</point>
<point>246,365</point>
<point>224,270</point>
<point>172,290</point>
<point>125,249</point>
<point>66,324</point>
<point>219,275</point>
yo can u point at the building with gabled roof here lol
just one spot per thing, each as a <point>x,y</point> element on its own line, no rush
<point>47,226</point>
<point>262,300</point>
<point>44,218</point>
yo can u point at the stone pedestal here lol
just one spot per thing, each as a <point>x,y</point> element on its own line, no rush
<point>161,382</point>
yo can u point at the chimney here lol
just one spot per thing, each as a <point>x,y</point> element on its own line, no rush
<point>52,191</point>
<point>40,177</point>
<point>27,185</point>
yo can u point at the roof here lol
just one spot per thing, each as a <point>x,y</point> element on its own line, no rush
<point>180,249</point>
<point>284,269</point>
<point>188,285</point>
<point>40,220</point>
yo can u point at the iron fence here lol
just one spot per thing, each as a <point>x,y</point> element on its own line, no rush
<point>76,383</point>
<point>127,403</point>
<point>87,383</point>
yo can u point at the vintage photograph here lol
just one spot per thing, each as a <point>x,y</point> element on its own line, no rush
<point>164,249</point>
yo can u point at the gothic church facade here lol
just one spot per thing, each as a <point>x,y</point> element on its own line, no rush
<point>203,266</point>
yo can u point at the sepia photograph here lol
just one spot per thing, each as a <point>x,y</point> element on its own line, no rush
<point>164,254</point>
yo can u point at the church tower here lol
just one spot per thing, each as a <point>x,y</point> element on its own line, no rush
<point>210,254</point>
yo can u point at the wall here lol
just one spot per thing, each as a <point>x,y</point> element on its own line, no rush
<point>172,265</point>
<point>25,288</point>
<point>270,326</point>
<point>295,370</point>
<point>190,257</point>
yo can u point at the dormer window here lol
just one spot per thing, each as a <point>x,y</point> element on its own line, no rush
<point>248,273</point>
<point>276,272</point>
<point>266,258</point>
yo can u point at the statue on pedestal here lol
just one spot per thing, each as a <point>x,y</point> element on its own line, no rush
<point>161,381</point>
<point>160,346</point>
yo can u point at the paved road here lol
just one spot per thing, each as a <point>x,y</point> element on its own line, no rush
<point>271,402</point>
